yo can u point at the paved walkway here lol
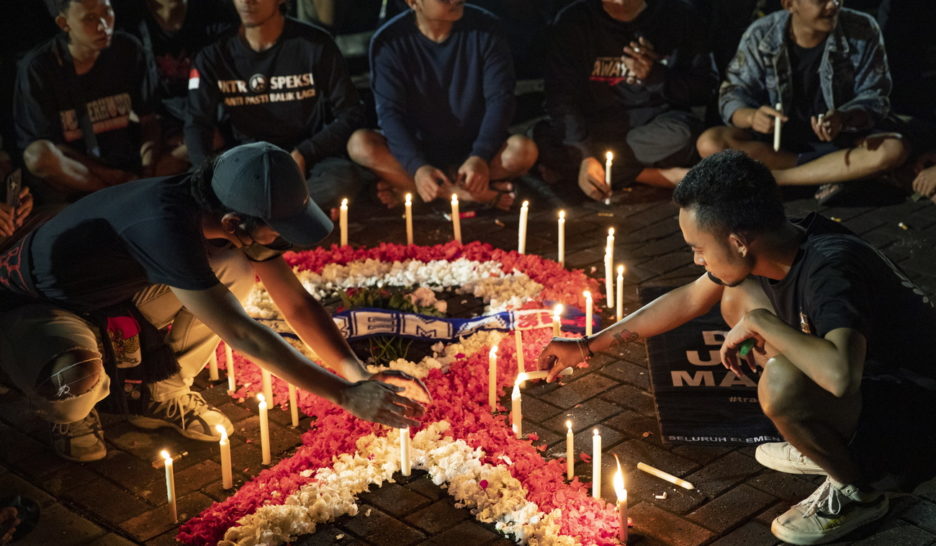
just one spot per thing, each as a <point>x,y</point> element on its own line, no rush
<point>121,500</point>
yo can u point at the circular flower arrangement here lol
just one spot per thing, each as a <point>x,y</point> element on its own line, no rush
<point>461,444</point>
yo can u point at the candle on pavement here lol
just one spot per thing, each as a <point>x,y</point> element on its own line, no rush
<point>224,444</point>
<point>589,329</point>
<point>596,464</point>
<point>408,205</point>
<point>570,450</point>
<point>560,256</point>
<point>264,430</point>
<point>343,221</point>
<point>492,378</point>
<point>522,231</point>
<point>620,292</point>
<point>170,485</point>
<point>621,492</point>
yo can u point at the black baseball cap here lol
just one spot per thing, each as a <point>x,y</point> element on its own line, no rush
<point>262,180</point>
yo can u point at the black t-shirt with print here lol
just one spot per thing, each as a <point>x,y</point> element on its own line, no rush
<point>840,281</point>
<point>48,90</point>
<point>807,94</point>
<point>297,94</point>
<point>107,246</point>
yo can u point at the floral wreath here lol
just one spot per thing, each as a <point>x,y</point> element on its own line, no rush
<point>463,446</point>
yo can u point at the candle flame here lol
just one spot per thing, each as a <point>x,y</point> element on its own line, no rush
<point>569,425</point>
<point>493,352</point>
<point>587,294</point>
<point>618,482</point>
<point>609,155</point>
<point>557,311</point>
<point>610,232</point>
<point>409,199</point>
<point>595,432</point>
<point>562,215</point>
<point>165,455</point>
<point>525,204</point>
<point>620,269</point>
<point>344,202</point>
<point>261,398</point>
<point>222,431</point>
<point>521,377</point>
<point>454,199</point>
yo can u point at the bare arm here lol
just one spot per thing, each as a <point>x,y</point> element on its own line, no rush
<point>69,171</point>
<point>662,314</point>
<point>370,400</point>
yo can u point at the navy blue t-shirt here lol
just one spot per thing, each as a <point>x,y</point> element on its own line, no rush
<point>441,102</point>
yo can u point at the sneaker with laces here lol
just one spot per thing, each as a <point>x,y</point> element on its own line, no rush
<point>81,441</point>
<point>188,413</point>
<point>783,457</point>
<point>831,512</point>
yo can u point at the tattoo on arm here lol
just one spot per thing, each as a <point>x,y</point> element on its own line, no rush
<point>624,336</point>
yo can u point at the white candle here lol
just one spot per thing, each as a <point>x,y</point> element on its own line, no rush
<point>620,292</point>
<point>343,221</point>
<point>170,485</point>
<point>229,363</point>
<point>560,256</point>
<point>609,157</point>
<point>264,430</point>
<point>621,494</point>
<point>596,464</point>
<point>522,233</point>
<point>227,475</point>
<point>213,365</point>
<point>609,265</point>
<point>518,336</point>
<point>267,381</point>
<point>492,378</point>
<point>665,476</point>
<point>293,405</point>
<point>776,129</point>
<point>557,319</point>
<point>405,464</point>
<point>589,329</point>
<point>408,204</point>
<point>570,451</point>
<point>456,219</point>
<point>516,407</point>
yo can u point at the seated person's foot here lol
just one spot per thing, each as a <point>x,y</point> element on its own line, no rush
<point>388,195</point>
<point>81,441</point>
<point>831,512</point>
<point>498,195</point>
<point>19,515</point>
<point>783,457</point>
<point>189,414</point>
<point>9,520</point>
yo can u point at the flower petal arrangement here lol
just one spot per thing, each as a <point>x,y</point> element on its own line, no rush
<point>471,452</point>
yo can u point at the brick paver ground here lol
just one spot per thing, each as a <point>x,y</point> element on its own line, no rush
<point>121,500</point>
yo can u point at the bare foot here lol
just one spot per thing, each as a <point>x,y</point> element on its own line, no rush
<point>388,195</point>
<point>9,520</point>
<point>499,195</point>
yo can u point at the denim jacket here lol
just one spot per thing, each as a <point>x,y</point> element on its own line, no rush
<point>853,73</point>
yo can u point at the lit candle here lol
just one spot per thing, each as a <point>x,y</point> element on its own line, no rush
<point>521,235</point>
<point>405,464</point>
<point>408,204</point>
<point>560,257</point>
<point>227,477</point>
<point>621,493</point>
<point>170,485</point>
<point>557,319</point>
<point>293,405</point>
<point>516,410</point>
<point>609,265</point>
<point>596,464</point>
<point>267,380</point>
<point>609,157</point>
<point>264,430</point>
<point>518,336</point>
<point>213,365</point>
<point>492,378</point>
<point>620,292</point>
<point>776,129</point>
<point>589,329</point>
<point>456,219</point>
<point>343,221</point>
<point>570,450</point>
<point>229,364</point>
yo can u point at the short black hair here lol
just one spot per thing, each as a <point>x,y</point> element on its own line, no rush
<point>58,7</point>
<point>731,193</point>
<point>206,199</point>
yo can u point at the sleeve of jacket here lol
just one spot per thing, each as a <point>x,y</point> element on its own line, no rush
<point>499,102</point>
<point>203,99</point>
<point>872,76</point>
<point>745,78</point>
<point>334,83</point>
<point>388,75</point>
<point>565,79</point>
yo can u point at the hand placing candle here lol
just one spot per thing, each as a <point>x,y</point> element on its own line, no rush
<point>343,221</point>
<point>170,485</point>
<point>456,219</point>
<point>264,431</point>
<point>408,205</point>
<point>227,477</point>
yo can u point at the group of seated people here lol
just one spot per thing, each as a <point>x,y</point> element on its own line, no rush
<point>135,89</point>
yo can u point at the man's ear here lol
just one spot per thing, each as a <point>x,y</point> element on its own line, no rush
<point>787,5</point>
<point>739,243</point>
<point>231,222</point>
<point>61,22</point>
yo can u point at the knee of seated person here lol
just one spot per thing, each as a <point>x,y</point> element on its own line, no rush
<point>521,154</point>
<point>363,143</point>
<point>38,155</point>
<point>893,152</point>
<point>780,387</point>
<point>710,142</point>
<point>72,373</point>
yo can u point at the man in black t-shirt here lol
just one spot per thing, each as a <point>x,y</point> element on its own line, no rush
<point>178,251</point>
<point>281,81</point>
<point>83,110</point>
<point>842,339</point>
<point>826,67</point>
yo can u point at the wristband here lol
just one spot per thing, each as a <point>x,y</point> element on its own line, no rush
<point>585,349</point>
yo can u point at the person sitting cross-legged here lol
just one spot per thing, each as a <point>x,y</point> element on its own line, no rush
<point>826,67</point>
<point>443,81</point>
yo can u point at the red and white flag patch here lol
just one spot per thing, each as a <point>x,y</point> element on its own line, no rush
<point>193,79</point>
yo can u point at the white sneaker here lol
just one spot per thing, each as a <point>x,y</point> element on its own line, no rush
<point>831,512</point>
<point>783,457</point>
<point>189,414</point>
<point>81,441</point>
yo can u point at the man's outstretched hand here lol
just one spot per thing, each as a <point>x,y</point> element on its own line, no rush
<point>382,403</point>
<point>413,388</point>
<point>561,353</point>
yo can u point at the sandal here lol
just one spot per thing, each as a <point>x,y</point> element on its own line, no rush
<point>828,192</point>
<point>504,196</point>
